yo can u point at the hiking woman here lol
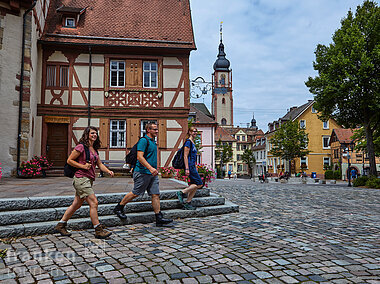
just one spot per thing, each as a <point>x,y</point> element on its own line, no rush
<point>190,158</point>
<point>83,180</point>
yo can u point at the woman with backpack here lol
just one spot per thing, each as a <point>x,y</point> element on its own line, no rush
<point>83,180</point>
<point>190,158</point>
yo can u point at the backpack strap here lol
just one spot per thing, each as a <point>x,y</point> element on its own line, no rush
<point>147,146</point>
<point>87,152</point>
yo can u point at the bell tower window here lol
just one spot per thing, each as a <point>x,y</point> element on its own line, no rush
<point>224,121</point>
<point>224,101</point>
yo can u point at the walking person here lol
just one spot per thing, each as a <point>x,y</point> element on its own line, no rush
<point>83,181</point>
<point>145,176</point>
<point>190,158</point>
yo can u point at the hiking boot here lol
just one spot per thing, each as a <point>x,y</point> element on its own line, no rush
<point>161,221</point>
<point>180,196</point>
<point>101,232</point>
<point>188,206</point>
<point>119,211</point>
<point>61,228</point>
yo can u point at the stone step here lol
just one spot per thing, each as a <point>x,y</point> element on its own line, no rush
<point>51,214</point>
<point>10,204</point>
<point>38,228</point>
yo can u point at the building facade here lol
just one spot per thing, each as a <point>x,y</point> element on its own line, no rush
<point>90,70</point>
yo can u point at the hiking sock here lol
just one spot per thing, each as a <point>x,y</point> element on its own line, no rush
<point>96,226</point>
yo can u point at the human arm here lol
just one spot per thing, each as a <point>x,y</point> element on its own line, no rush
<point>144,162</point>
<point>71,160</point>
<point>103,168</point>
<point>186,151</point>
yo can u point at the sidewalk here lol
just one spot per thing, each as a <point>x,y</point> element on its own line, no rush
<point>62,186</point>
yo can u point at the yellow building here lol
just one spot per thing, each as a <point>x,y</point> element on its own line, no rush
<point>319,141</point>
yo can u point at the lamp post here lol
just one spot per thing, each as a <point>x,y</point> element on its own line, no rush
<point>199,87</point>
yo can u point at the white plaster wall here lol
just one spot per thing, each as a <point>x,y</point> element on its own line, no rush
<point>172,61</point>
<point>85,58</point>
<point>10,58</point>
<point>97,98</point>
<point>171,77</point>
<point>117,155</point>
<point>180,101</point>
<point>82,122</point>
<point>172,138</point>
<point>58,56</point>
<point>208,143</point>
<point>77,98</point>
<point>172,124</point>
<point>164,157</point>
<point>102,155</point>
<point>82,72</point>
<point>168,97</point>
<point>97,76</point>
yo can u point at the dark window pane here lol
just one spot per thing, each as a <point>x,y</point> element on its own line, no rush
<point>146,66</point>
<point>153,66</point>
<point>114,139</point>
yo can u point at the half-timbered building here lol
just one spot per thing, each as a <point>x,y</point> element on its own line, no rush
<point>116,65</point>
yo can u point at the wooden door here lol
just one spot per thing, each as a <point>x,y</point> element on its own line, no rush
<point>56,144</point>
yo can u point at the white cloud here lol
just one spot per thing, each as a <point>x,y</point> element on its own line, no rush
<point>270,44</point>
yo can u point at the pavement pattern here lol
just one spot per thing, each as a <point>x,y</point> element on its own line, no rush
<point>284,233</point>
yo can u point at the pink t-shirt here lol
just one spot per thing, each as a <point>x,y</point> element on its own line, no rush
<point>82,160</point>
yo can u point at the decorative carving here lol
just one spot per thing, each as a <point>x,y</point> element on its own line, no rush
<point>133,99</point>
<point>56,97</point>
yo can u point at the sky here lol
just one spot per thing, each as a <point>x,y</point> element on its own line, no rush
<point>270,45</point>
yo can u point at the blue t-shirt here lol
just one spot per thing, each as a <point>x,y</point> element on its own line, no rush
<point>151,156</point>
<point>192,158</point>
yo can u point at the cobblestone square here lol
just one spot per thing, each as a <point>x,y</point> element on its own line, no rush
<point>284,233</point>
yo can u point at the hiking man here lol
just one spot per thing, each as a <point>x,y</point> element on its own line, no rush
<point>145,176</point>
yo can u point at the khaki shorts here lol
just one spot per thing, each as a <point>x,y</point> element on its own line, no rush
<point>83,186</point>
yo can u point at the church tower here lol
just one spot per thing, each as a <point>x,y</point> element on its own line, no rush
<point>222,101</point>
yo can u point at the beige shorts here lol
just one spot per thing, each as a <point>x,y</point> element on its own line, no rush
<point>83,186</point>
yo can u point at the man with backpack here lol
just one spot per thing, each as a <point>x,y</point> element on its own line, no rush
<point>145,176</point>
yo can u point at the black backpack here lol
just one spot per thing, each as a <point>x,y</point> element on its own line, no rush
<point>69,171</point>
<point>178,160</point>
<point>131,157</point>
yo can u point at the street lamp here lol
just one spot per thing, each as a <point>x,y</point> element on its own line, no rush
<point>199,87</point>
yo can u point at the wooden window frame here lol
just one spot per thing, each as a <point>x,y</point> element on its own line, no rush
<point>118,131</point>
<point>150,72</point>
<point>117,70</point>
<point>57,76</point>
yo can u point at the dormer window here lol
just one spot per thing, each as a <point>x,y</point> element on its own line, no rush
<point>69,22</point>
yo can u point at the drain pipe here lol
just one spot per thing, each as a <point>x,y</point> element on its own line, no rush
<point>22,86</point>
<point>89,86</point>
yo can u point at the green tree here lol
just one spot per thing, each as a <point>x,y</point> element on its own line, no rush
<point>347,85</point>
<point>289,142</point>
<point>248,157</point>
<point>223,153</point>
<point>361,143</point>
<point>197,140</point>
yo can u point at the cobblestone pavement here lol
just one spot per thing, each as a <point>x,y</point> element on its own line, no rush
<point>283,234</point>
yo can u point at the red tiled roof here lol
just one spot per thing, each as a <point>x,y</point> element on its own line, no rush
<point>200,117</point>
<point>343,135</point>
<point>223,135</point>
<point>158,23</point>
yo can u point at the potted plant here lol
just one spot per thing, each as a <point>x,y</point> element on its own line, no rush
<point>43,162</point>
<point>29,169</point>
<point>166,172</point>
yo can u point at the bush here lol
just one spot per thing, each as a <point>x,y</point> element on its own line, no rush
<point>373,182</point>
<point>360,181</point>
<point>329,174</point>
<point>338,174</point>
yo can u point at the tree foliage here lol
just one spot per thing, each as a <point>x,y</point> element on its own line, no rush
<point>248,157</point>
<point>223,152</point>
<point>361,142</point>
<point>347,85</point>
<point>289,141</point>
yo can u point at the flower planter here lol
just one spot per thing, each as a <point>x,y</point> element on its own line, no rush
<point>163,175</point>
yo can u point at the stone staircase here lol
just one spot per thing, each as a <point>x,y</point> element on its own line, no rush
<point>38,215</point>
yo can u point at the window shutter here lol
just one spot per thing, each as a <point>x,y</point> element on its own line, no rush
<point>104,132</point>
<point>133,76</point>
<point>162,134</point>
<point>133,130</point>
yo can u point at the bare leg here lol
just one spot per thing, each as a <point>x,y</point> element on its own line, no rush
<point>156,203</point>
<point>77,203</point>
<point>93,203</point>
<point>127,198</point>
<point>191,190</point>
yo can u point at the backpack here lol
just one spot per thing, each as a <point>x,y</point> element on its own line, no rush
<point>178,160</point>
<point>131,157</point>
<point>69,171</point>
